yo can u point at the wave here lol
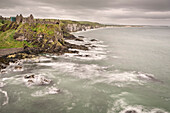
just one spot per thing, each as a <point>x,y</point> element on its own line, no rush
<point>100,74</point>
<point>120,106</point>
<point>47,91</point>
<point>6,96</point>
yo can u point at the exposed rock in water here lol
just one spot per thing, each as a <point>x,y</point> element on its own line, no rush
<point>131,111</point>
<point>93,40</point>
<point>18,68</point>
<point>36,80</point>
<point>83,55</point>
<point>68,36</point>
<point>81,36</point>
<point>3,71</point>
<point>93,46</point>
<point>87,44</point>
<point>73,46</point>
<point>78,39</point>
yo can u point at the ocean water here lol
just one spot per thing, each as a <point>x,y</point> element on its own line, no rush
<point>127,70</point>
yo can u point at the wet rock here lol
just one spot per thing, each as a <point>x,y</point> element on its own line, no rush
<point>87,44</point>
<point>3,71</point>
<point>31,81</point>
<point>93,40</point>
<point>78,39</point>
<point>36,80</point>
<point>29,76</point>
<point>83,55</point>
<point>93,46</point>
<point>18,67</point>
<point>81,36</point>
<point>67,35</point>
<point>72,51</point>
<point>131,111</point>
<point>73,46</point>
<point>87,55</point>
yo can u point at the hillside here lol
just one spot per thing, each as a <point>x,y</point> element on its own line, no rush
<point>44,33</point>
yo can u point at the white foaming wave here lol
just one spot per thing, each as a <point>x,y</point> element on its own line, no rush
<point>97,52</point>
<point>13,80</point>
<point>16,70</point>
<point>37,79</point>
<point>91,71</point>
<point>60,66</point>
<point>6,96</point>
<point>93,57</point>
<point>47,91</point>
<point>88,55</point>
<point>116,57</point>
<point>1,84</point>
<point>13,67</point>
<point>82,71</point>
<point>122,79</point>
<point>120,106</point>
<point>42,59</point>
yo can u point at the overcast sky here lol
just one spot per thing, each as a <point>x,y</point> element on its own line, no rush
<point>153,12</point>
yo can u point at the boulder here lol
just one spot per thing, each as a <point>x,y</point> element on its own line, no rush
<point>78,39</point>
<point>81,36</point>
<point>131,111</point>
<point>36,80</point>
<point>93,40</point>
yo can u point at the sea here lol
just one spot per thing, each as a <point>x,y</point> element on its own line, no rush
<point>125,70</point>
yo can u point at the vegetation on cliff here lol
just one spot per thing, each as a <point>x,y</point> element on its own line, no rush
<point>43,33</point>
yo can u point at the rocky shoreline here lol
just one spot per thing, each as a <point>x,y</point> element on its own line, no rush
<point>40,36</point>
<point>28,52</point>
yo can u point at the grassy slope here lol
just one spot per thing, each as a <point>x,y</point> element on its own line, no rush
<point>7,41</point>
<point>81,23</point>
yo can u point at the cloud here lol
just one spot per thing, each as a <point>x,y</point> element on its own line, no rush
<point>104,11</point>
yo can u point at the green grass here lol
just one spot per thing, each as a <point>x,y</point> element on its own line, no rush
<point>7,40</point>
<point>86,23</point>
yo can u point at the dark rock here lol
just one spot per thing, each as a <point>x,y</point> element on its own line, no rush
<point>79,55</point>
<point>78,39</point>
<point>87,55</point>
<point>18,67</point>
<point>31,81</point>
<point>29,76</point>
<point>93,46</point>
<point>82,55</point>
<point>68,36</point>
<point>131,111</point>
<point>93,40</point>
<point>87,44</point>
<point>3,71</point>
<point>73,46</point>
<point>72,52</point>
<point>81,36</point>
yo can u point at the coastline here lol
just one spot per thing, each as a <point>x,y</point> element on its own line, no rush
<point>14,54</point>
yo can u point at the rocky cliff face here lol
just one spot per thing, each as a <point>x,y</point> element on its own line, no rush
<point>47,37</point>
<point>9,26</point>
<point>79,27</point>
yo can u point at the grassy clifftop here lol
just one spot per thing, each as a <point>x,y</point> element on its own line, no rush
<point>34,34</point>
<point>45,32</point>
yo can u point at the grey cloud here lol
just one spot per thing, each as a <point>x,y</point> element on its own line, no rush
<point>105,11</point>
